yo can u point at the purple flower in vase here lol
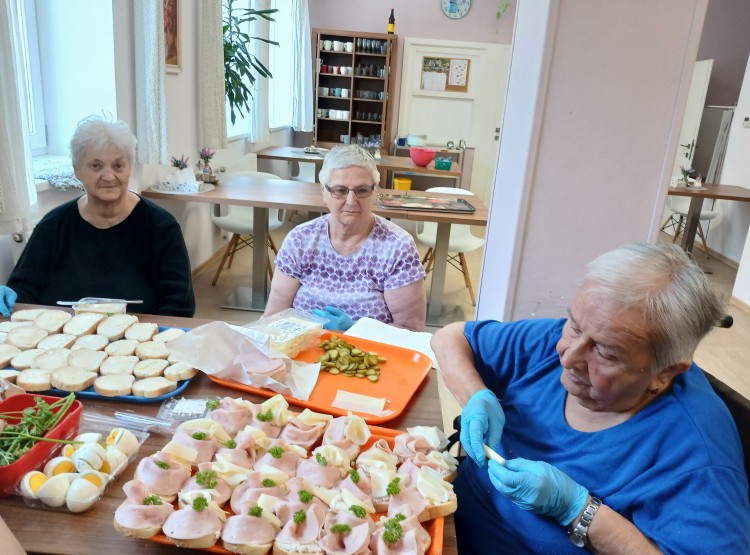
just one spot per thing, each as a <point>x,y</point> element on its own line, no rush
<point>206,154</point>
<point>180,163</point>
<point>686,173</point>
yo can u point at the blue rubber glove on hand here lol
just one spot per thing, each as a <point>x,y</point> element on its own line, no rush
<point>7,300</point>
<point>482,421</point>
<point>337,318</point>
<point>540,488</point>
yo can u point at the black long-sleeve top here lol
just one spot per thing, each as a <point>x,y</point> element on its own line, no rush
<point>143,257</point>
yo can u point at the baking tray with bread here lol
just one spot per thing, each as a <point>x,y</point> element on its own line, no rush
<point>95,355</point>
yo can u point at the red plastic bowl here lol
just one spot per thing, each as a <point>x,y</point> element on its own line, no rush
<point>421,156</point>
<point>35,458</point>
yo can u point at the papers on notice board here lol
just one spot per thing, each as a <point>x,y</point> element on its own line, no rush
<point>367,328</point>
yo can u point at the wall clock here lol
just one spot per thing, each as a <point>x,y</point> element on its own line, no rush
<point>455,9</point>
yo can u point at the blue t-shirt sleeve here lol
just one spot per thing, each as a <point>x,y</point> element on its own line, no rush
<point>504,351</point>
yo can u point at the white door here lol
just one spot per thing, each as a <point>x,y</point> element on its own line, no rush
<point>449,106</point>
<point>691,122</point>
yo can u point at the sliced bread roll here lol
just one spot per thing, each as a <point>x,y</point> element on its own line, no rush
<point>153,387</point>
<point>114,385</point>
<point>27,337</point>
<point>150,367</point>
<point>51,359</point>
<point>26,315</point>
<point>438,510</point>
<point>179,371</point>
<point>9,375</point>
<point>168,335</point>
<point>84,323</point>
<point>93,342</point>
<point>87,359</point>
<point>115,326</point>
<point>152,349</point>
<point>7,352</point>
<point>118,365</point>
<point>24,359</point>
<point>121,347</point>
<point>34,380</point>
<point>6,326</point>
<point>52,321</point>
<point>69,378</point>
<point>57,341</point>
<point>142,331</point>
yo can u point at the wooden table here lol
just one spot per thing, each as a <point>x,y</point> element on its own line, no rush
<point>707,191</point>
<point>400,164</point>
<point>92,532</point>
<point>262,194</point>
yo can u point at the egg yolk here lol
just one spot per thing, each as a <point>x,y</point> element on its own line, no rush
<point>63,467</point>
<point>35,481</point>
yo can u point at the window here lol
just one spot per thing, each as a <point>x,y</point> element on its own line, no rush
<point>31,76</point>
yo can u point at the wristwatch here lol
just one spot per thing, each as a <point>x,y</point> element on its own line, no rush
<point>579,535</point>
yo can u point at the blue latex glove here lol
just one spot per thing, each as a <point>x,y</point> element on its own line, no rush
<point>7,300</point>
<point>337,318</point>
<point>482,421</point>
<point>540,488</point>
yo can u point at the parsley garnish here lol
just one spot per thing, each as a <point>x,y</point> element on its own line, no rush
<point>358,511</point>
<point>209,478</point>
<point>354,475</point>
<point>230,444</point>
<point>321,459</point>
<point>152,500</point>
<point>212,404</point>
<point>256,511</point>
<point>267,483</point>
<point>200,436</point>
<point>305,496</point>
<point>200,503</point>
<point>162,464</point>
<point>341,528</point>
<point>300,517</point>
<point>393,487</point>
<point>276,451</point>
<point>393,531</point>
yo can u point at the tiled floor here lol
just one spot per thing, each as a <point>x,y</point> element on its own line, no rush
<point>724,353</point>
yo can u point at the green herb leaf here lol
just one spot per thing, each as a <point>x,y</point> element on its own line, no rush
<point>268,483</point>
<point>393,530</point>
<point>276,452</point>
<point>358,510</point>
<point>300,517</point>
<point>393,487</point>
<point>341,528</point>
<point>256,511</point>
<point>162,464</point>
<point>152,500</point>
<point>200,503</point>
<point>265,416</point>
<point>354,475</point>
<point>305,496</point>
<point>200,436</point>
<point>321,459</point>
<point>208,478</point>
<point>230,443</point>
<point>212,404</point>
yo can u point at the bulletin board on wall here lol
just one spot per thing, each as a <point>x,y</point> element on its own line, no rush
<point>445,74</point>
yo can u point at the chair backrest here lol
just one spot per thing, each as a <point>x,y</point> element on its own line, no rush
<point>450,190</point>
<point>739,408</point>
<point>681,205</point>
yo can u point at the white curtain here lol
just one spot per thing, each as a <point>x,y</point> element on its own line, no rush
<point>302,79</point>
<point>17,188</point>
<point>150,96</point>
<point>720,148</point>
<point>258,126</point>
<point>212,131</point>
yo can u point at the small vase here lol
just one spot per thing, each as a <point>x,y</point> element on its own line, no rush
<point>208,173</point>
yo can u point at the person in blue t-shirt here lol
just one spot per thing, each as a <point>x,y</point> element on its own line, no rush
<point>612,436</point>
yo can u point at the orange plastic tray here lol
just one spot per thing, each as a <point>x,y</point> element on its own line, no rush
<point>434,527</point>
<point>400,377</point>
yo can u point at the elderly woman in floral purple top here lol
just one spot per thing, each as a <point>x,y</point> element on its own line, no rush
<point>350,263</point>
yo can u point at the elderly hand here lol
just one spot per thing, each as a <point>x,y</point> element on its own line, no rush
<point>540,488</point>
<point>7,300</point>
<point>482,421</point>
<point>337,318</point>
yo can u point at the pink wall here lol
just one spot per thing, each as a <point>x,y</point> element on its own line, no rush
<point>415,18</point>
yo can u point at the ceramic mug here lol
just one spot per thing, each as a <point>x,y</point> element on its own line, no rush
<point>324,68</point>
<point>344,114</point>
<point>323,91</point>
<point>337,91</point>
<point>344,139</point>
<point>344,93</point>
<point>348,70</point>
<point>327,45</point>
<point>334,69</point>
<point>349,46</point>
<point>337,45</point>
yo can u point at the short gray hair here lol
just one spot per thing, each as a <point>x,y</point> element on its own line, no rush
<point>95,133</point>
<point>671,291</point>
<point>346,156</point>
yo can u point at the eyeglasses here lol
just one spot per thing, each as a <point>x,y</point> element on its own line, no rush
<point>343,192</point>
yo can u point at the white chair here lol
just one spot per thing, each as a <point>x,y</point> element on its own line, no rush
<point>679,207</point>
<point>239,222</point>
<point>461,241</point>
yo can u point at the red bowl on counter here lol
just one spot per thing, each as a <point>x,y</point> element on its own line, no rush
<point>42,451</point>
<point>421,156</point>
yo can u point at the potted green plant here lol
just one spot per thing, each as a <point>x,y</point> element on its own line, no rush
<point>240,66</point>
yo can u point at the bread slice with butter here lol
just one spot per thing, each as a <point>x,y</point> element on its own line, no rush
<point>115,326</point>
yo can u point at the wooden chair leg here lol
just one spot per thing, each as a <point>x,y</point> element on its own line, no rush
<point>678,231</point>
<point>237,238</point>
<point>703,238</point>
<point>230,249</point>
<point>467,279</point>
<point>429,260</point>
<point>272,245</point>
<point>269,268</point>
<point>426,256</point>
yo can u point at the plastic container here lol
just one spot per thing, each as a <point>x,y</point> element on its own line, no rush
<point>402,183</point>
<point>101,308</point>
<point>289,331</point>
<point>421,156</point>
<point>35,458</point>
<point>443,163</point>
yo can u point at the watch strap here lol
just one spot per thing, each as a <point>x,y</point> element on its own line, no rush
<point>579,534</point>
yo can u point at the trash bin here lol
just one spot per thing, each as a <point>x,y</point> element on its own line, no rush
<point>402,183</point>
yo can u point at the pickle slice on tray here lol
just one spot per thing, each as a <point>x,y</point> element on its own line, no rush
<point>341,357</point>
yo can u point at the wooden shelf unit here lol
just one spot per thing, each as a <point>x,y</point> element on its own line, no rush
<point>372,62</point>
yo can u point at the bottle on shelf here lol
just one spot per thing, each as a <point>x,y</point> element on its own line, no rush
<point>391,23</point>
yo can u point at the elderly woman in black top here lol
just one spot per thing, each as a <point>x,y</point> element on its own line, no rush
<point>110,242</point>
